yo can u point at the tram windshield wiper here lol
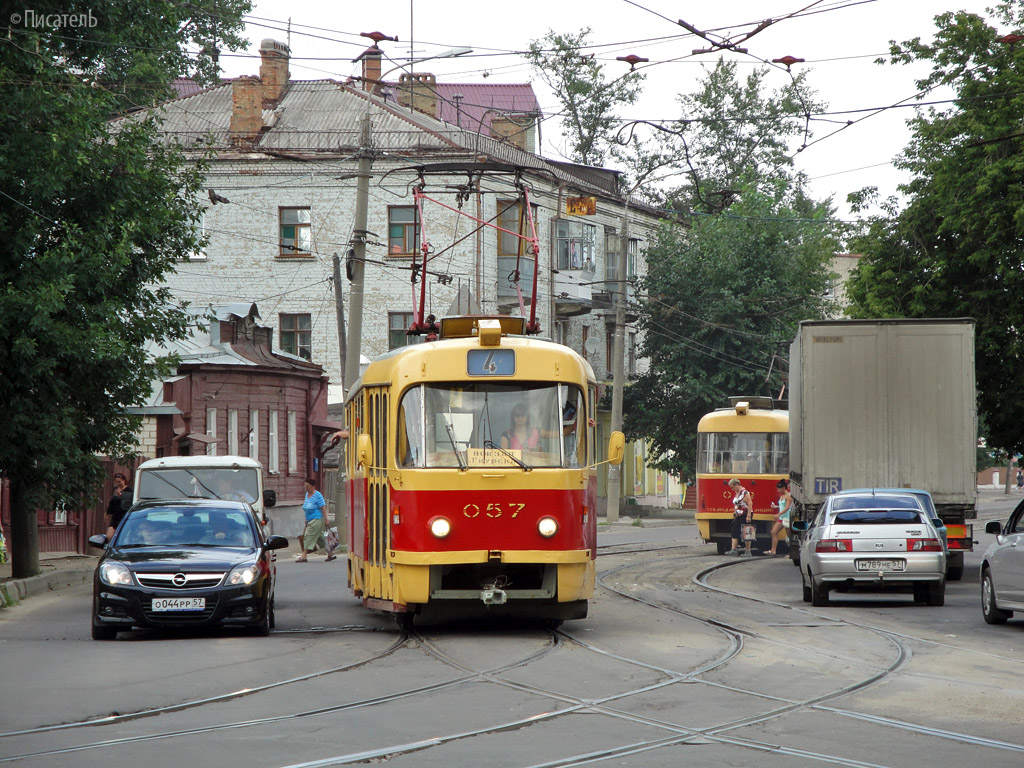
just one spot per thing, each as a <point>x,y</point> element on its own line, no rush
<point>523,464</point>
<point>463,465</point>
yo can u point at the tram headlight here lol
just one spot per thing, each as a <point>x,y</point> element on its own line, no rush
<point>440,527</point>
<point>547,527</point>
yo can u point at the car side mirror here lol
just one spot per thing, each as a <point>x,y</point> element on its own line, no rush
<point>938,522</point>
<point>269,497</point>
<point>994,526</point>
<point>799,525</point>
<point>99,541</point>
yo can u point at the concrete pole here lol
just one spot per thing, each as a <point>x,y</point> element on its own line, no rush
<point>359,234</point>
<point>339,309</point>
<point>618,378</point>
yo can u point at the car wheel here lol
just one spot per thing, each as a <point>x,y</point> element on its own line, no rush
<point>807,593</point>
<point>819,593</point>
<point>992,614</point>
<point>263,628</point>
<point>920,592</point>
<point>100,632</point>
<point>273,614</point>
<point>937,593</point>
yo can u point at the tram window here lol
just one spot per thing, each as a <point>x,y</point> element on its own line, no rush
<point>743,453</point>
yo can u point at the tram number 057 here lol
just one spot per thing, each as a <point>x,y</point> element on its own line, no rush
<point>494,510</point>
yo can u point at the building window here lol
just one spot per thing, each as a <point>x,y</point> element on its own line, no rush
<point>296,335</point>
<point>232,432</point>
<point>585,346</point>
<point>273,446</point>
<point>575,244</point>
<point>199,254</point>
<point>211,431</point>
<point>295,231</point>
<point>631,257</point>
<point>398,324</point>
<point>403,230</point>
<point>509,219</point>
<point>254,435</point>
<point>293,458</point>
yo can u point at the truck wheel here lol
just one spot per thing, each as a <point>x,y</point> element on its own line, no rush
<point>937,593</point>
<point>819,593</point>
<point>955,567</point>
<point>992,614</point>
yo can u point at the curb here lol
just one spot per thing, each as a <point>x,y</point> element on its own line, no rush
<point>13,591</point>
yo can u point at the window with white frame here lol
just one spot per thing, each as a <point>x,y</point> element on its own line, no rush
<point>631,257</point>
<point>199,254</point>
<point>575,244</point>
<point>293,459</point>
<point>295,232</point>
<point>254,435</point>
<point>273,444</point>
<point>232,432</point>
<point>398,324</point>
<point>211,431</point>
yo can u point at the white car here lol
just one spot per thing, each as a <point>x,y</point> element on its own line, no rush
<point>871,542</point>
<point>1002,569</point>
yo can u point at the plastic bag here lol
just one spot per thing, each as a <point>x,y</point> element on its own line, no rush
<point>332,540</point>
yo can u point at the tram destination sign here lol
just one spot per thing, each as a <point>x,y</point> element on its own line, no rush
<point>491,362</point>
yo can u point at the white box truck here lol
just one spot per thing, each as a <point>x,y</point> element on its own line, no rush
<point>886,404</point>
<point>233,478</point>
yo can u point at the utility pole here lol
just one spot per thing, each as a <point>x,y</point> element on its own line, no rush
<point>339,310</point>
<point>618,378</point>
<point>358,261</point>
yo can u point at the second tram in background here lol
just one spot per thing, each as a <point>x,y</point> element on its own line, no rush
<point>749,440</point>
<point>472,488</point>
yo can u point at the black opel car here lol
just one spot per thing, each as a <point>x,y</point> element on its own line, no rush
<point>185,564</point>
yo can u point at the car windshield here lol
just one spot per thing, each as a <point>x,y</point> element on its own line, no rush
<point>224,483</point>
<point>877,516</point>
<point>179,527</point>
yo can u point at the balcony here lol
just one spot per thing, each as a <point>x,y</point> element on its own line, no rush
<point>573,289</point>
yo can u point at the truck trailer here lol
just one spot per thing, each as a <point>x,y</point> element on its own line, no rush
<point>886,404</point>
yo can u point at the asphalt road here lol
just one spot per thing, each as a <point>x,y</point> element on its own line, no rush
<point>686,657</point>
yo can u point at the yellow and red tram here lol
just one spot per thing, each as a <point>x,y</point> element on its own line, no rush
<point>749,440</point>
<point>447,511</point>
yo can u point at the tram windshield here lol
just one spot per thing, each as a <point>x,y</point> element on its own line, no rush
<point>486,424</point>
<point>743,453</point>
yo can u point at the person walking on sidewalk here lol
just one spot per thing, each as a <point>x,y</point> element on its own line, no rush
<point>781,523</point>
<point>743,514</point>
<point>315,508</point>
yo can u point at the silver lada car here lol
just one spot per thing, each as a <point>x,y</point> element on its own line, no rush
<point>872,542</point>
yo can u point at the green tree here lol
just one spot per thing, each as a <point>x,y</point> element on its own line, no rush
<point>93,213</point>
<point>588,98</point>
<point>723,300</point>
<point>957,247</point>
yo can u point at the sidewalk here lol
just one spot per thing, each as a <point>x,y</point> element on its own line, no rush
<point>57,569</point>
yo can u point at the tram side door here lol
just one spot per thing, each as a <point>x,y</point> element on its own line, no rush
<point>378,502</point>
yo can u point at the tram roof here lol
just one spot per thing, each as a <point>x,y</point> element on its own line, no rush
<point>445,360</point>
<point>754,420</point>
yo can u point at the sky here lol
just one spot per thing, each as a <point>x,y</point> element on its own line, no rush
<point>839,40</point>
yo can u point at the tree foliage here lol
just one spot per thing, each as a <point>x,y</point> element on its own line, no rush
<point>722,299</point>
<point>93,213</point>
<point>588,98</point>
<point>957,247</point>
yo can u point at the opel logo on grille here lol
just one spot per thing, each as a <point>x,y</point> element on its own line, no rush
<point>179,579</point>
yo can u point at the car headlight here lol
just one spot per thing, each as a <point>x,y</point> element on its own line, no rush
<point>115,574</point>
<point>547,527</point>
<point>440,527</point>
<point>243,574</point>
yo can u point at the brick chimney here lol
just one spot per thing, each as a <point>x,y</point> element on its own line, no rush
<point>420,90</point>
<point>371,59</point>
<point>273,72</point>
<point>511,130</point>
<point>246,110</point>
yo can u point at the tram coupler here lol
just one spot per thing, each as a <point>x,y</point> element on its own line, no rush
<point>491,595</point>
